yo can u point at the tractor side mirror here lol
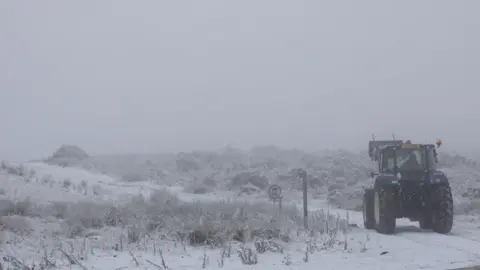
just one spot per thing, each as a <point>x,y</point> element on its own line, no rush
<point>372,174</point>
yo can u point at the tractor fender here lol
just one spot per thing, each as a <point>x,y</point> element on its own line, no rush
<point>437,177</point>
<point>386,179</point>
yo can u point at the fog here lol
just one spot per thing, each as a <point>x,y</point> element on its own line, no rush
<point>148,76</point>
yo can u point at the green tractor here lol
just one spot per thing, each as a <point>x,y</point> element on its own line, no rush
<point>407,185</point>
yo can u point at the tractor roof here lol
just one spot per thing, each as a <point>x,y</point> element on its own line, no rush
<point>374,147</point>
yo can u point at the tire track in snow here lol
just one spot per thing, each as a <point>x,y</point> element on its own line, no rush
<point>471,237</point>
<point>463,239</point>
<point>448,241</point>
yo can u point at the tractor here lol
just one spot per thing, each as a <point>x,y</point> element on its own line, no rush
<point>407,185</point>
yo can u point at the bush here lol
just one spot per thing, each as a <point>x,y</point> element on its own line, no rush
<point>249,189</point>
<point>87,214</point>
<point>197,189</point>
<point>15,223</point>
<point>20,208</point>
<point>469,207</point>
<point>246,178</point>
<point>70,151</point>
<point>132,177</point>
<point>18,170</point>
<point>210,223</point>
<point>210,182</point>
<point>247,256</point>
<point>186,165</point>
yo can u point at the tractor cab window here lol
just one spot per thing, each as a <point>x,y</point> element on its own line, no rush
<point>388,161</point>
<point>410,159</point>
<point>432,159</point>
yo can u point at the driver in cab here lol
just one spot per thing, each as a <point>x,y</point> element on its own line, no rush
<point>411,163</point>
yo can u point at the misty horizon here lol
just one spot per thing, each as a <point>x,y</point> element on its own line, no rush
<point>117,77</point>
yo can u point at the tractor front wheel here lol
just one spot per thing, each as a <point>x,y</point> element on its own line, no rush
<point>384,209</point>
<point>368,209</point>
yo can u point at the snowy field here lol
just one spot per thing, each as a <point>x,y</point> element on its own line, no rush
<point>70,217</point>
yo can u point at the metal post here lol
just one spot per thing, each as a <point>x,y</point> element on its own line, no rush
<point>303,175</point>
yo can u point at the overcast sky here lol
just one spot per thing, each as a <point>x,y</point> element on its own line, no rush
<point>144,76</point>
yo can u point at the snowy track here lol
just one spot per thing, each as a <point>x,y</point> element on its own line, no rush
<point>411,245</point>
<point>413,248</point>
<point>449,243</point>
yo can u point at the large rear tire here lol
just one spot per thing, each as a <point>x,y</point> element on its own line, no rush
<point>425,223</point>
<point>368,218</point>
<point>384,209</point>
<point>441,209</point>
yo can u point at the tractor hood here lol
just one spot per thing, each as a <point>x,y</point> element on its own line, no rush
<point>411,175</point>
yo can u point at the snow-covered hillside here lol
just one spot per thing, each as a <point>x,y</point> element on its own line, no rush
<point>338,176</point>
<point>210,210</point>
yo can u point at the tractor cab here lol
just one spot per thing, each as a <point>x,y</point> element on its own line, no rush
<point>407,157</point>
<point>393,157</point>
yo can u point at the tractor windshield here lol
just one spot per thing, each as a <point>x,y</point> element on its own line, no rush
<point>410,159</point>
<point>407,159</point>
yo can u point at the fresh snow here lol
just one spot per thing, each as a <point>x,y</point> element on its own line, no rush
<point>409,248</point>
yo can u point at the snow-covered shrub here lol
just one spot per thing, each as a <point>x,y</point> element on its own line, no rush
<point>18,170</point>
<point>247,256</point>
<point>87,214</point>
<point>472,193</point>
<point>47,179</point>
<point>20,208</point>
<point>133,177</point>
<point>212,223</point>
<point>15,223</point>
<point>245,178</point>
<point>59,209</point>
<point>249,189</point>
<point>315,182</point>
<point>467,207</point>
<point>210,182</point>
<point>97,190</point>
<point>263,245</point>
<point>339,184</point>
<point>67,155</point>
<point>446,160</point>
<point>67,183</point>
<point>197,188</point>
<point>70,151</point>
<point>186,165</point>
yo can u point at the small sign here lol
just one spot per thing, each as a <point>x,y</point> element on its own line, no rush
<point>275,192</point>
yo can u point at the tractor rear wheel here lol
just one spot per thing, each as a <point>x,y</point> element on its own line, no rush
<point>425,223</point>
<point>441,207</point>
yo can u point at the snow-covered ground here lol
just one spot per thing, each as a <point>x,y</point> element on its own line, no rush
<point>39,235</point>
<point>409,248</point>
